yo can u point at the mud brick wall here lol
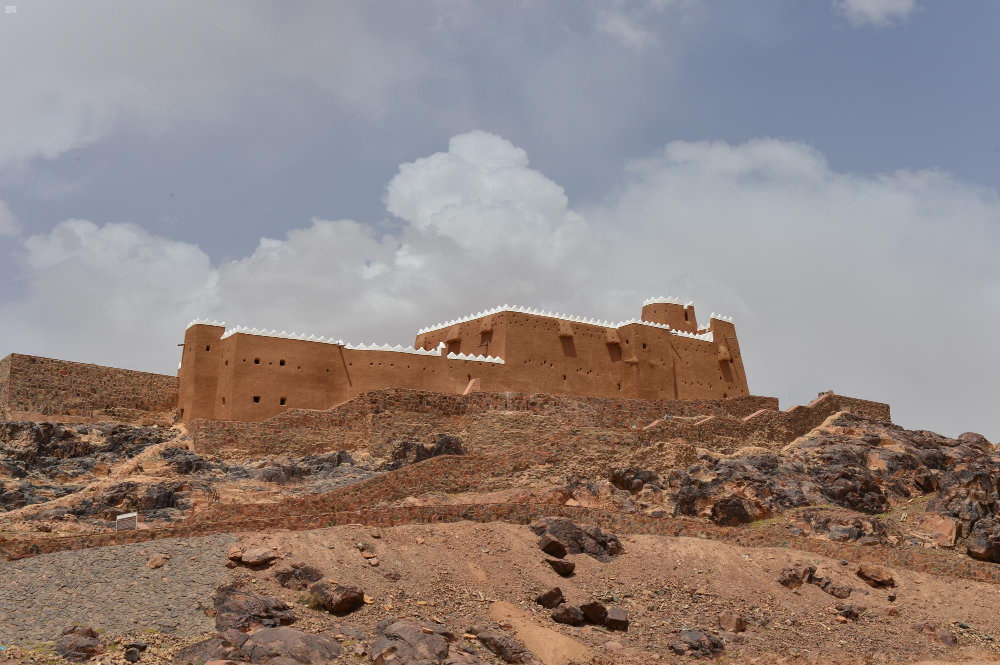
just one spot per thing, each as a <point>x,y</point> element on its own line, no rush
<point>46,386</point>
<point>372,419</point>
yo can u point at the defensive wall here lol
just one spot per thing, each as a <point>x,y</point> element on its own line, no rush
<point>375,419</point>
<point>32,386</point>
<point>252,375</point>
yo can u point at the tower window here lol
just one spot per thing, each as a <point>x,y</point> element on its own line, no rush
<point>208,347</point>
<point>223,400</point>
<point>256,361</point>
<point>282,401</point>
<point>281,362</point>
<point>256,399</point>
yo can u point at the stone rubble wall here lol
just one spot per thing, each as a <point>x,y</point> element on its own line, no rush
<point>31,385</point>
<point>935,562</point>
<point>372,420</point>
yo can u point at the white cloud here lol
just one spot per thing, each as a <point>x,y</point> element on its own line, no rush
<point>877,13</point>
<point>77,72</point>
<point>838,280</point>
<point>8,223</point>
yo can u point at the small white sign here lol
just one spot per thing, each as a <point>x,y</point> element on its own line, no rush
<point>127,521</point>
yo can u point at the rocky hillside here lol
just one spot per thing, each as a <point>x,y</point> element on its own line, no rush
<point>810,551</point>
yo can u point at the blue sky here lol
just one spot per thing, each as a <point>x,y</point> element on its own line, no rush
<point>825,171</point>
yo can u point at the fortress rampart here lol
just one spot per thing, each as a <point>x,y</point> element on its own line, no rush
<point>32,386</point>
<point>251,375</point>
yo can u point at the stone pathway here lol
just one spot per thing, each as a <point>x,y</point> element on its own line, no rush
<point>112,590</point>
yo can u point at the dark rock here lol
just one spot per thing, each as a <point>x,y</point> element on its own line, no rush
<point>617,619</point>
<point>697,643</point>
<point>594,612</point>
<point>561,566</point>
<point>337,599</point>
<point>579,539</point>
<point>568,614</point>
<point>184,461</point>
<point>411,452</point>
<point>551,598</point>
<point>406,642</point>
<point>268,646</point>
<point>132,655</point>
<point>506,648</point>
<point>297,576</point>
<point>731,511</point>
<point>796,575</point>
<point>851,612</point>
<point>983,542</point>
<point>633,480</point>
<point>241,610</point>
<point>79,643</point>
<point>551,546</point>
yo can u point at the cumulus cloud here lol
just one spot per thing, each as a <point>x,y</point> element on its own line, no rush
<point>838,280</point>
<point>876,13</point>
<point>85,70</point>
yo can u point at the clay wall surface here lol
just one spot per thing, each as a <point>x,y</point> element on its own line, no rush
<point>5,387</point>
<point>250,376</point>
<point>46,387</point>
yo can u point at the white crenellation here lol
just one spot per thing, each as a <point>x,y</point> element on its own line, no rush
<point>205,322</point>
<point>243,330</point>
<point>705,337</point>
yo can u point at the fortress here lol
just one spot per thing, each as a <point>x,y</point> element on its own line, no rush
<point>252,375</point>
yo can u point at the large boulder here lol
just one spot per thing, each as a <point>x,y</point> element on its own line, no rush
<point>568,614</point>
<point>407,642</point>
<point>268,646</point>
<point>79,643</point>
<point>576,539</point>
<point>242,610</point>
<point>984,541</point>
<point>337,599</point>
<point>876,576</point>
<point>551,598</point>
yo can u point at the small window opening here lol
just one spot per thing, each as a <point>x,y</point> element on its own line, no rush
<point>256,361</point>
<point>282,400</point>
<point>644,347</point>
<point>208,347</point>
<point>256,399</point>
<point>281,362</point>
<point>227,363</point>
<point>685,315</point>
<point>223,400</point>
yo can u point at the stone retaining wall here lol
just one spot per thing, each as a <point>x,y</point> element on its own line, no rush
<point>50,387</point>
<point>371,420</point>
<point>368,419</point>
<point>936,562</point>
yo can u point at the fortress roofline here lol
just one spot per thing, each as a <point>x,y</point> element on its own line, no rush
<point>707,337</point>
